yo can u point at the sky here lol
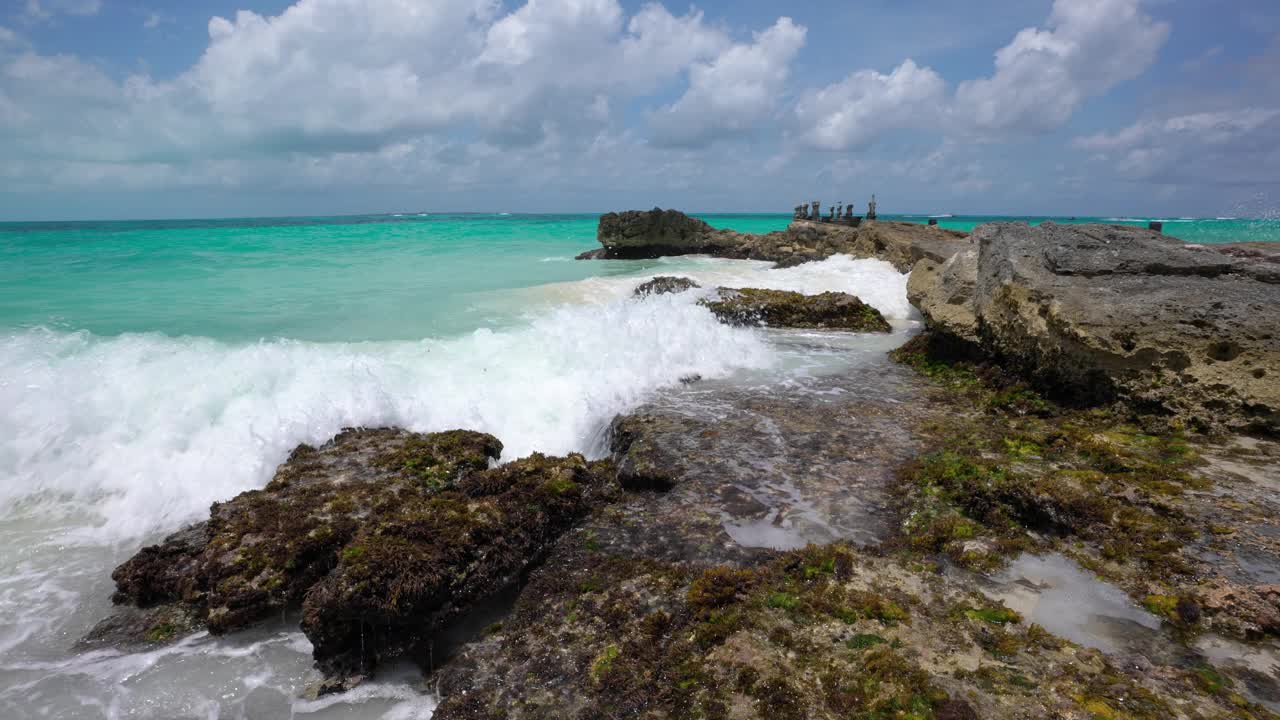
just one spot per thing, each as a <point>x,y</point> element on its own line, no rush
<point>115,109</point>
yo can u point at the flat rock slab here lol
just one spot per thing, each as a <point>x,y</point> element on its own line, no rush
<point>765,468</point>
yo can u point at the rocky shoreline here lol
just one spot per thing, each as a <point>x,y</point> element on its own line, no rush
<point>1099,396</point>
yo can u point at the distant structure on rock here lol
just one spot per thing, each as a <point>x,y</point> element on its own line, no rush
<point>840,213</point>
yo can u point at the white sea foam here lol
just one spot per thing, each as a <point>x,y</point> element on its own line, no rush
<point>876,282</point>
<point>150,430</point>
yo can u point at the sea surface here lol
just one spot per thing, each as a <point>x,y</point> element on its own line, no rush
<point>149,369</point>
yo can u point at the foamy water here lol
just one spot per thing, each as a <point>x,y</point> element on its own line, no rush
<point>110,441</point>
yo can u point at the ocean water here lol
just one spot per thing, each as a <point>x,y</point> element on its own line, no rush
<point>148,369</point>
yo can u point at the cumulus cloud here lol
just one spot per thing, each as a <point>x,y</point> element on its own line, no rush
<point>468,92</point>
<point>854,111</point>
<point>344,76</point>
<point>1045,75</point>
<point>733,93</point>
<point>1041,79</point>
<point>1220,147</point>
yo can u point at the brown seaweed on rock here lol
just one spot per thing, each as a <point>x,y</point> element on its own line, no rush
<point>783,308</point>
<point>383,537</point>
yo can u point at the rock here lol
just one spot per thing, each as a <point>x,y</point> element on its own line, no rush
<point>946,289</point>
<point>665,284</point>
<point>782,308</point>
<point>1239,610</point>
<point>901,243</point>
<point>1098,312</point>
<point>655,233</point>
<point>820,632</point>
<point>162,573</point>
<point>407,574</point>
<point>641,463</point>
<point>382,537</point>
<point>130,628</point>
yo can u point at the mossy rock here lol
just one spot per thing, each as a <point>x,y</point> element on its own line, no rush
<point>381,536</point>
<point>782,308</point>
<point>670,641</point>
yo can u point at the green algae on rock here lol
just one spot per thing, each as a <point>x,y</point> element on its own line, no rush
<point>1010,472</point>
<point>859,636</point>
<point>382,537</point>
<point>782,308</point>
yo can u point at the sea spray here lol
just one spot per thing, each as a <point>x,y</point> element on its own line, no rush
<point>149,430</point>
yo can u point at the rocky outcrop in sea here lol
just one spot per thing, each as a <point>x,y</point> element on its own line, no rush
<point>656,233</point>
<point>1090,402</point>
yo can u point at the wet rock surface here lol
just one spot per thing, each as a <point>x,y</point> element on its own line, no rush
<point>781,308</point>
<point>765,469</point>
<point>664,284</point>
<point>823,632</point>
<point>1096,312</point>
<point>660,606</point>
<point>382,537</point>
<point>656,233</point>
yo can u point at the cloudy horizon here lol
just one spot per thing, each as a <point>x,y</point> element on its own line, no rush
<point>115,109</point>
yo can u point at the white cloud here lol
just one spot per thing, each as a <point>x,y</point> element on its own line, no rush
<point>854,111</point>
<point>340,78</point>
<point>1041,79</point>
<point>152,21</point>
<point>1224,146</point>
<point>734,92</point>
<point>46,9</point>
<point>1044,75</point>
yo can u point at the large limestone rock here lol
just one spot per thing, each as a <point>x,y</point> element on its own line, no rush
<point>947,290</point>
<point>1099,312</point>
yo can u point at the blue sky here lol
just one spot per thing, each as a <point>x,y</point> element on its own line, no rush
<point>134,109</point>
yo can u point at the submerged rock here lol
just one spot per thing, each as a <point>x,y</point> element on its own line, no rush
<point>664,284</point>
<point>382,537</point>
<point>783,308</point>
<point>1098,312</point>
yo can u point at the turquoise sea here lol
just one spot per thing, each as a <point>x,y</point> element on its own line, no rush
<point>149,369</point>
<point>354,278</point>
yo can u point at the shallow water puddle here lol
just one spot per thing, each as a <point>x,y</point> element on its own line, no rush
<point>1256,665</point>
<point>1055,593</point>
<point>1063,598</point>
